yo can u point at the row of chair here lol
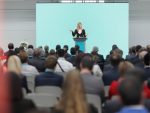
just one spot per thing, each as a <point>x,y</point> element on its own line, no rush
<point>31,85</point>
<point>47,100</point>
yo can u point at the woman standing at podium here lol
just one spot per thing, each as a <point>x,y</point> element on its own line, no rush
<point>79,31</point>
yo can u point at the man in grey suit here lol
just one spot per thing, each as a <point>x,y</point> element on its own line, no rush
<point>92,84</point>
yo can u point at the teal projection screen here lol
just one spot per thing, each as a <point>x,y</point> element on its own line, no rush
<point>105,24</point>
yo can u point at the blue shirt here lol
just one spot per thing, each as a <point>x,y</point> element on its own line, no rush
<point>137,109</point>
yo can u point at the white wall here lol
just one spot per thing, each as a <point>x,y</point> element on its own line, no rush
<point>19,26</point>
<point>139,32</point>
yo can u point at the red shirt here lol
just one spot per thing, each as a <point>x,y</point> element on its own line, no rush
<point>113,90</point>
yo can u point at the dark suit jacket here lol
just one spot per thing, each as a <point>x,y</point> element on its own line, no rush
<point>49,79</point>
<point>110,75</point>
<point>38,63</point>
<point>72,60</point>
<point>9,53</point>
<point>147,73</point>
<point>24,83</point>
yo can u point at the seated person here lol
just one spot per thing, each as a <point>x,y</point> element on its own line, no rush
<point>49,77</point>
<point>112,74</point>
<point>62,64</point>
<point>17,101</point>
<point>92,84</point>
<point>124,66</point>
<point>73,99</point>
<point>130,91</point>
<point>36,61</point>
<point>26,69</point>
<point>147,66</point>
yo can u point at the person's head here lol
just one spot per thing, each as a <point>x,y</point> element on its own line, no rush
<point>37,52</point>
<point>30,47</point>
<point>10,46</point>
<point>133,49</point>
<point>95,49</point>
<point>61,53</point>
<point>46,48</point>
<point>21,48</point>
<point>73,51</point>
<point>30,52</point>
<point>1,52</point>
<point>142,54</point>
<point>65,48</point>
<point>77,47</point>
<point>87,63</point>
<point>147,59</point>
<point>14,64</point>
<point>17,50</point>
<point>50,62</point>
<point>73,99</point>
<point>79,25</point>
<point>114,47</point>
<point>137,73</point>
<point>137,48</point>
<point>130,91</point>
<point>115,58</point>
<point>52,52</point>
<point>58,47</point>
<point>124,66</point>
<point>23,57</point>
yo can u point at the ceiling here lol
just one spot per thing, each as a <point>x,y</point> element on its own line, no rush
<point>139,9</point>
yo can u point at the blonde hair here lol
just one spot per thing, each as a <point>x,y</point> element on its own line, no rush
<point>79,24</point>
<point>14,64</point>
<point>124,66</point>
<point>73,99</point>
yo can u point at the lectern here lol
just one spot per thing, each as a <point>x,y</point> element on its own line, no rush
<point>81,42</point>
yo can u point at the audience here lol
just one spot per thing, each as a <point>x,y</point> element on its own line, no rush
<point>130,91</point>
<point>98,58</point>
<point>14,65</point>
<point>11,51</point>
<point>46,49</point>
<point>128,80</point>
<point>73,99</point>
<point>92,84</point>
<point>124,66</point>
<point>62,64</point>
<point>72,58</point>
<point>114,105</point>
<point>18,103</point>
<point>67,55</point>
<point>49,77</point>
<point>77,49</point>
<point>36,61</point>
<point>147,66</point>
<point>26,69</point>
<point>111,70</point>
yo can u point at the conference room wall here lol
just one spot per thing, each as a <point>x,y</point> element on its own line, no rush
<point>139,32</point>
<point>18,26</point>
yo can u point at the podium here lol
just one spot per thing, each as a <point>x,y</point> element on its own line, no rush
<point>81,42</point>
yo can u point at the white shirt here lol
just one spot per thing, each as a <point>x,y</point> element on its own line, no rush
<point>66,66</point>
<point>97,71</point>
<point>29,70</point>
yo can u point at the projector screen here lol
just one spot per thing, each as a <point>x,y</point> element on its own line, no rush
<point>105,24</point>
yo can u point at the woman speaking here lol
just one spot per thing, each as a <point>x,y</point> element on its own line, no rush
<point>79,31</point>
